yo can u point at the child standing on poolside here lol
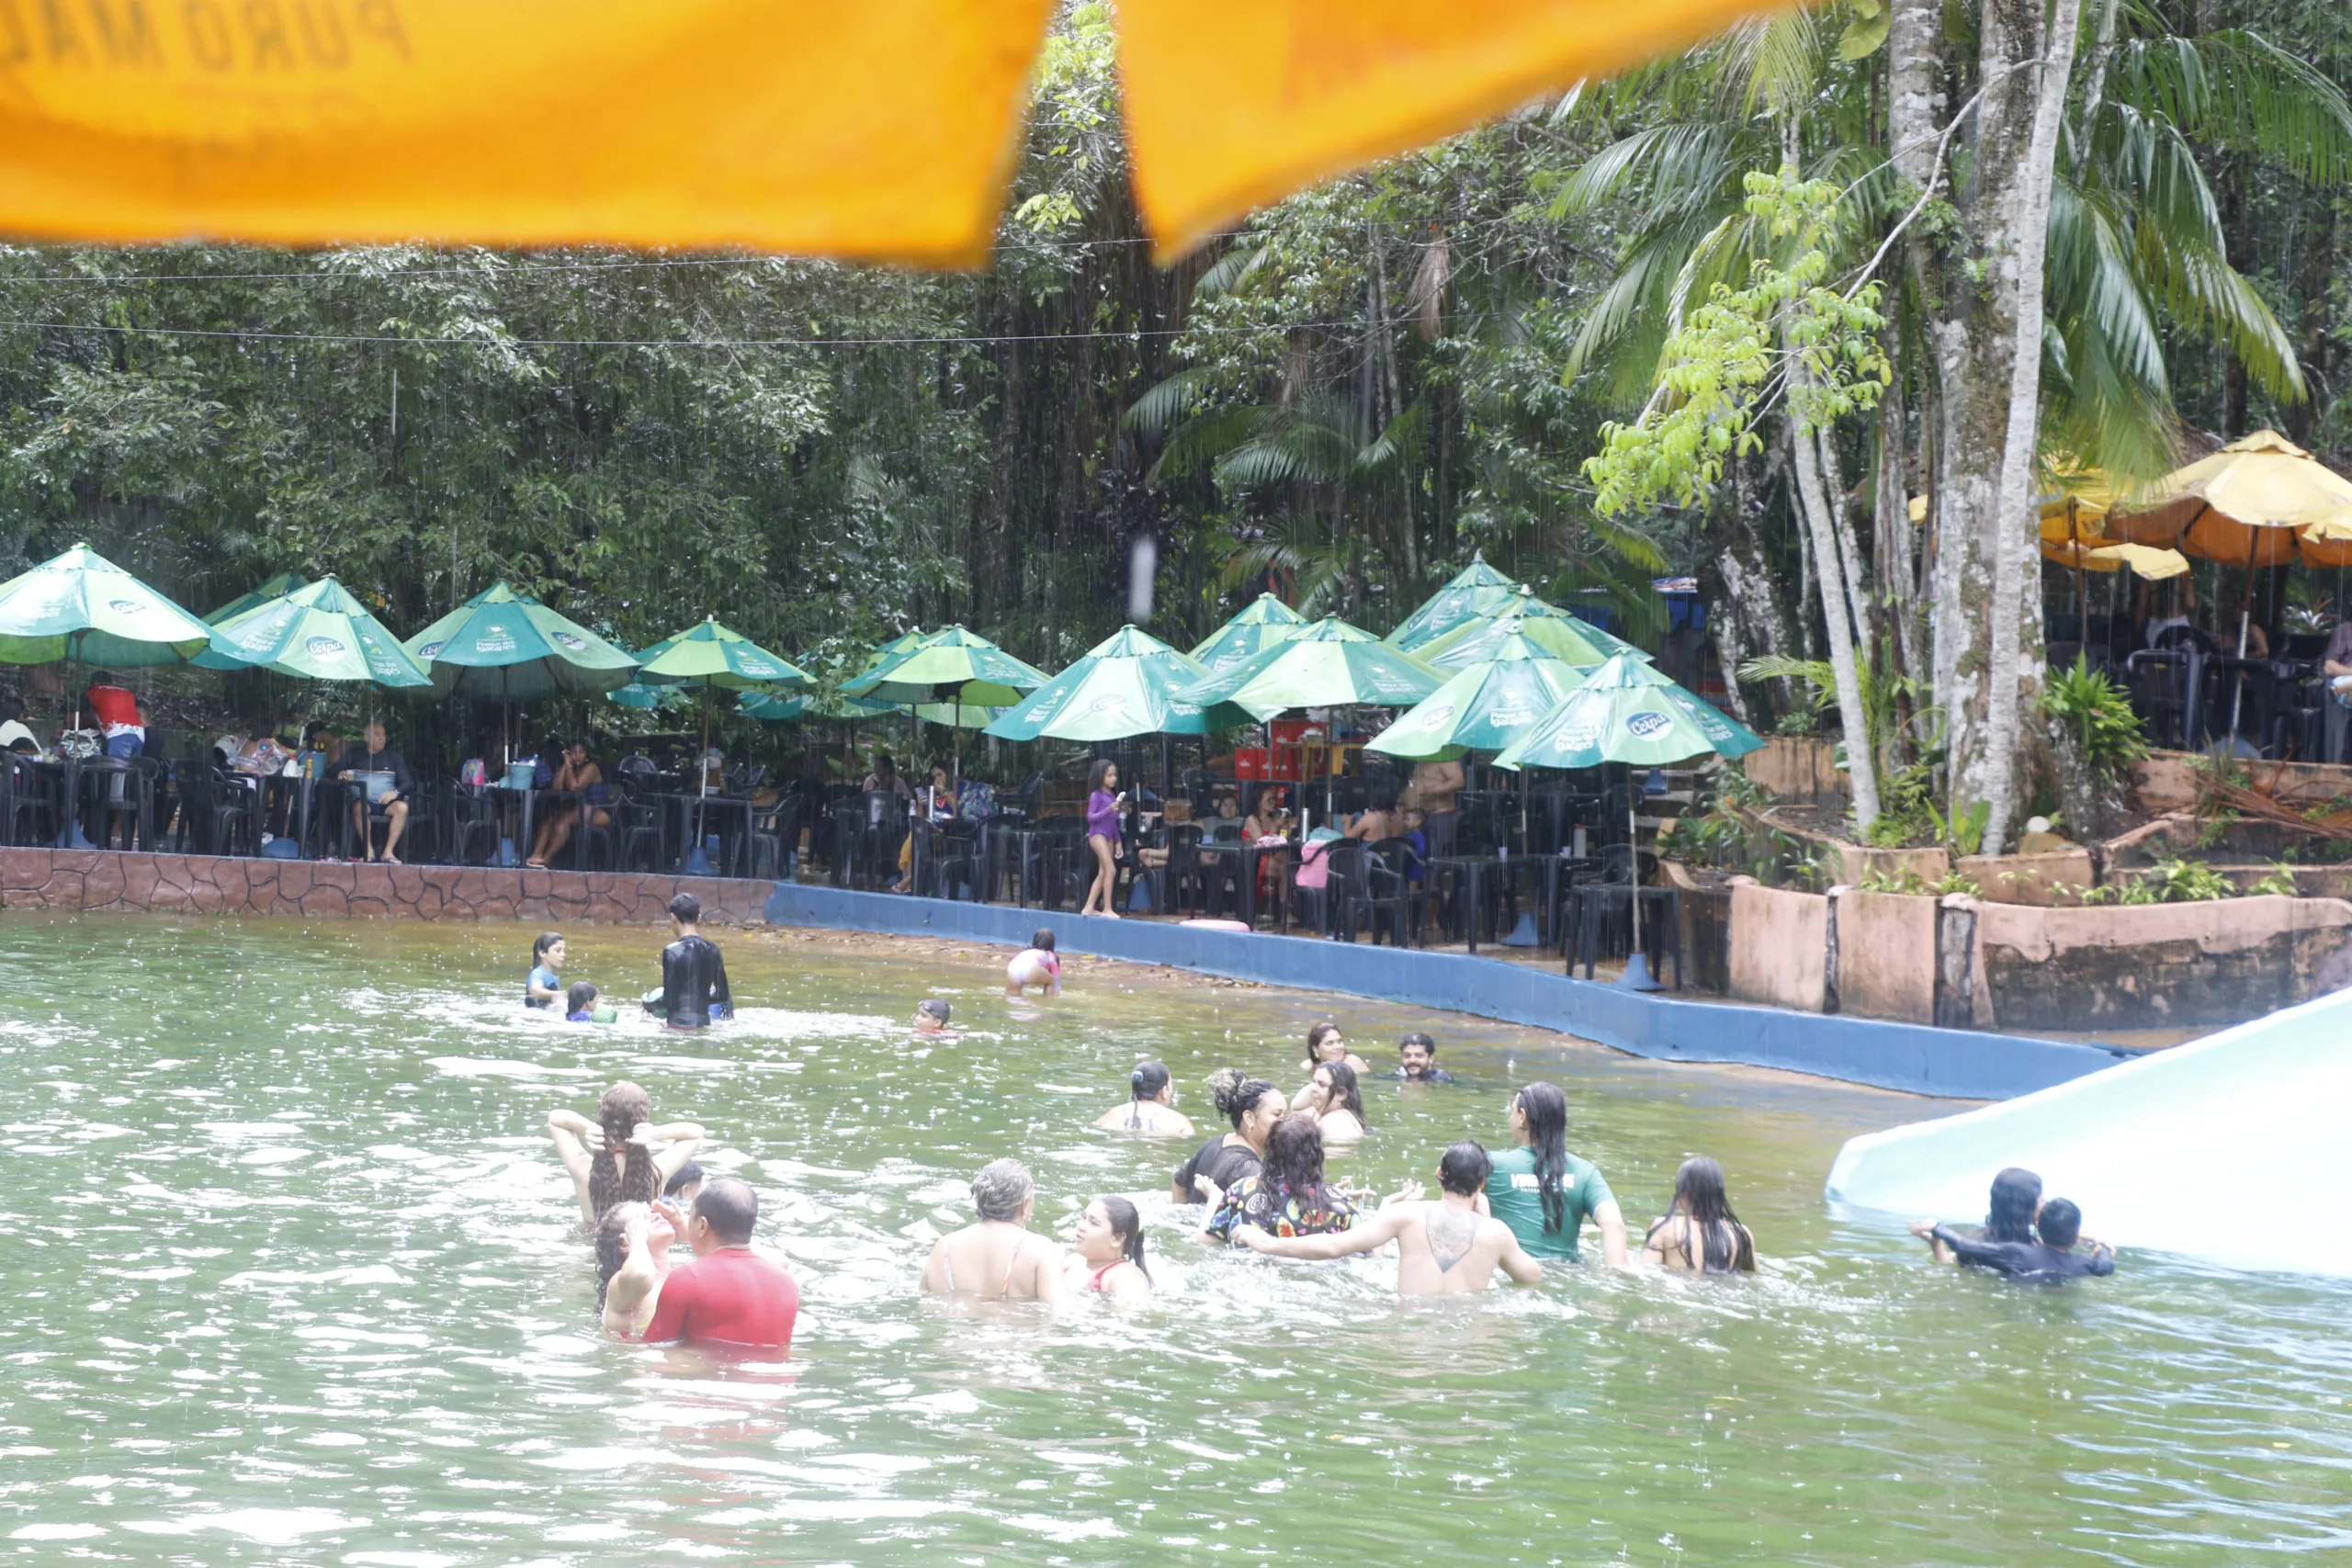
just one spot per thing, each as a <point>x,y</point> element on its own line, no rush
<point>1036,965</point>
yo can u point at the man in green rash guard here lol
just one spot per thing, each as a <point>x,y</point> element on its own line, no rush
<point>1545,1193</point>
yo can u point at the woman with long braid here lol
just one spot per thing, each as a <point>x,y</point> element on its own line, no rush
<point>613,1161</point>
<point>1545,1193</point>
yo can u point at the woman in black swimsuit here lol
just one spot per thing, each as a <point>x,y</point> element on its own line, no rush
<point>1253,1106</point>
<point>1701,1234</point>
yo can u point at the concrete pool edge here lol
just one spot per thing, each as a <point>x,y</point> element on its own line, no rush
<point>1913,1058</point>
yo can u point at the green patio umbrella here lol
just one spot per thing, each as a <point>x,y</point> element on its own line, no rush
<point>277,587</point>
<point>315,632</point>
<point>1126,686</point>
<point>1485,706</point>
<point>1450,605</point>
<point>1267,621</point>
<point>644,698</point>
<point>950,666</point>
<point>83,607</point>
<point>1627,712</point>
<point>1564,636</point>
<point>711,655</point>
<point>505,647</point>
<point>776,707</point>
<point>1329,664</point>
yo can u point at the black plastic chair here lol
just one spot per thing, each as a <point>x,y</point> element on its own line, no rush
<point>28,804</point>
<point>1388,890</point>
<point>776,838</point>
<point>232,816</point>
<point>1321,907</point>
<point>2164,684</point>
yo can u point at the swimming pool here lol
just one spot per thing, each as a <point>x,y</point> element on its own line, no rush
<point>294,1277</point>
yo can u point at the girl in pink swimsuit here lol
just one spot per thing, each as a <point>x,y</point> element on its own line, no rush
<point>1109,1246</point>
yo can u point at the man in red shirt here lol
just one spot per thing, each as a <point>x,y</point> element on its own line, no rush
<point>117,715</point>
<point>727,1296</point>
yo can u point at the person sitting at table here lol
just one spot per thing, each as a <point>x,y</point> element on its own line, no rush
<point>16,735</point>
<point>941,797</point>
<point>580,775</point>
<point>1379,819</point>
<point>374,754</point>
<point>1270,820</point>
<point>2337,663</point>
<point>2163,606</point>
<point>884,778</point>
<point>118,714</point>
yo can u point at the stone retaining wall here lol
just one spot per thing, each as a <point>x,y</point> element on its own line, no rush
<point>204,885</point>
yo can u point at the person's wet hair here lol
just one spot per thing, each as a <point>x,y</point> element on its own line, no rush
<point>1294,1155</point>
<point>1418,1038</point>
<point>1000,1189</point>
<point>1317,1034</point>
<point>2017,1193</point>
<point>624,1106</point>
<point>1147,1081</point>
<point>545,939</point>
<point>612,1244</point>
<point>1347,1093</point>
<point>2061,1223</point>
<point>1126,1223</point>
<point>1236,1094</point>
<point>1041,939</point>
<point>1464,1168</point>
<point>730,1206</point>
<point>686,910</point>
<point>933,1006</point>
<point>1546,1109</point>
<point>686,1176</point>
<point>579,995</point>
<point>1724,1245</point>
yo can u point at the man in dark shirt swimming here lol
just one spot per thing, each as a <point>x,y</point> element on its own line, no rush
<point>1417,1056</point>
<point>2047,1261</point>
<point>693,976</point>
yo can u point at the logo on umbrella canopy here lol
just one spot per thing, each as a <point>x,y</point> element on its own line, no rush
<point>1437,712</point>
<point>494,638</point>
<point>323,647</point>
<point>577,645</point>
<point>431,650</point>
<point>1582,733</point>
<point>1645,725</point>
<point>1109,701</point>
<point>756,665</point>
<point>126,606</point>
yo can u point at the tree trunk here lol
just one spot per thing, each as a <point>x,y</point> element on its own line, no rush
<point>1861,762</point>
<point>2015,670</point>
<point>1748,606</point>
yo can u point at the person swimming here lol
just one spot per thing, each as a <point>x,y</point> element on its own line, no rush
<point>1107,1258</point>
<point>545,988</point>
<point>2015,1200</point>
<point>931,1016</point>
<point>2024,1237</point>
<point>693,993</point>
<point>1150,1096</point>
<point>1699,1234</point>
<point>1036,965</point>
<point>612,1161</point>
<point>1335,1099</point>
<point>1326,1043</point>
<point>1288,1196</point>
<point>642,1231</point>
<point>579,1004</point>
<point>1444,1248</point>
<point>997,1258</point>
<point>1253,1106</point>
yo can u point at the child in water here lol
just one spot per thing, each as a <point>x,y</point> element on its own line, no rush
<point>545,988</point>
<point>931,1017</point>
<point>1036,965</point>
<point>580,1005</point>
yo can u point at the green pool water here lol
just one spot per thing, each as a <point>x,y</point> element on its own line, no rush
<point>294,1277</point>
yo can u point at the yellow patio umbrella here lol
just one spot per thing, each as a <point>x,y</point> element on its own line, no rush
<point>2146,560</point>
<point>881,130</point>
<point>2243,506</point>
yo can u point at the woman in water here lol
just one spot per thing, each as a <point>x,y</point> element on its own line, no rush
<point>1253,1106</point>
<point>545,988</point>
<point>1326,1043</point>
<point>1102,837</point>
<point>1333,1097</point>
<point>1546,1193</point>
<point>1288,1196</point>
<point>632,1259</point>
<point>2015,1202</point>
<point>1701,1234</point>
<point>1108,1258</point>
<point>613,1161</point>
<point>997,1259</point>
<point>1149,1097</point>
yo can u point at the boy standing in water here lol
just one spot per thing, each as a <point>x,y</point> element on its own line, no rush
<point>694,976</point>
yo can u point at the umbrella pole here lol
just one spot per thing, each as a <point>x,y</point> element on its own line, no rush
<point>2246,617</point>
<point>1633,860</point>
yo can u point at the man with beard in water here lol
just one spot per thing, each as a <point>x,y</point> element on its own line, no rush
<point>1444,1248</point>
<point>693,976</point>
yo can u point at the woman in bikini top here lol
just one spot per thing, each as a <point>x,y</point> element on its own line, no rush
<point>1149,1107</point>
<point>1109,1252</point>
<point>1006,1196</point>
<point>1701,1234</point>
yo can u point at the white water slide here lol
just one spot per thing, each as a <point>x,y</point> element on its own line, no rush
<point>2231,1150</point>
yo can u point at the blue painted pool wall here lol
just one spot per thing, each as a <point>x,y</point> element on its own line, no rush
<point>1954,1064</point>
